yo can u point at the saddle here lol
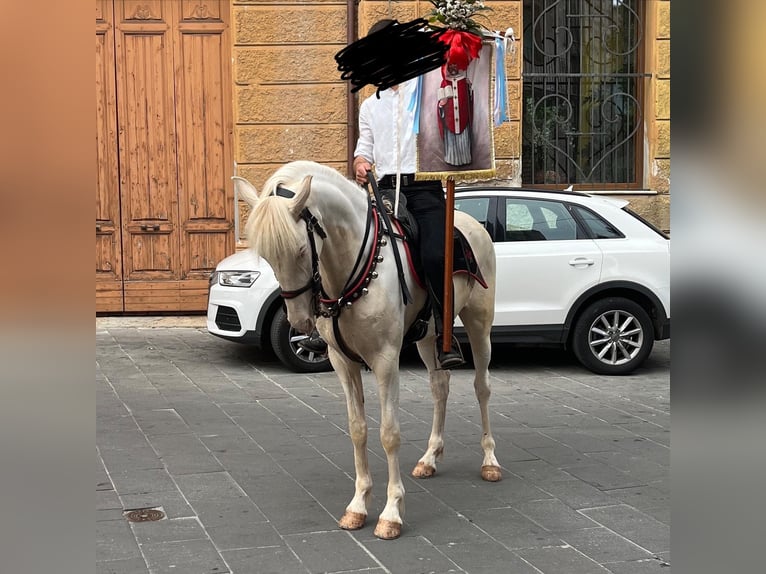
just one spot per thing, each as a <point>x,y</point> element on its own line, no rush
<point>463,261</point>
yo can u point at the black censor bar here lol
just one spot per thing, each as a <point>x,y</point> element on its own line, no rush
<point>392,55</point>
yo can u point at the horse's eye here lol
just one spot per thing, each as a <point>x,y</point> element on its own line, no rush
<point>302,251</point>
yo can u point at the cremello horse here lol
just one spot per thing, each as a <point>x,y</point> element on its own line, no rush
<point>335,268</point>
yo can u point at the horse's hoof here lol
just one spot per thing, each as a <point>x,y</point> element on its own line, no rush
<point>387,530</point>
<point>491,473</point>
<point>352,520</point>
<point>423,470</point>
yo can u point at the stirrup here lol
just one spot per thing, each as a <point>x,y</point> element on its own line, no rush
<point>452,358</point>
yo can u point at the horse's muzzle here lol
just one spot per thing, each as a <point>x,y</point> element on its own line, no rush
<point>304,326</point>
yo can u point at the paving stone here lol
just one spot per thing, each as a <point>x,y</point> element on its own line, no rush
<point>603,476</point>
<point>635,465</point>
<point>577,494</point>
<point>486,557</point>
<point>539,472</point>
<point>125,566</point>
<point>185,454</point>
<point>125,460</point>
<point>142,481</point>
<point>240,511</point>
<point>107,499</point>
<point>650,566</point>
<point>297,517</point>
<point>161,422</point>
<point>660,513</point>
<point>650,495</point>
<point>512,529</point>
<point>244,535</point>
<point>329,552</point>
<point>168,530</point>
<point>187,556</point>
<point>634,525</point>
<point>271,560</point>
<point>121,439</point>
<point>412,555</point>
<point>559,559</point>
<point>209,486</point>
<point>553,515</point>
<point>603,545</point>
<point>115,541</point>
<point>559,455</point>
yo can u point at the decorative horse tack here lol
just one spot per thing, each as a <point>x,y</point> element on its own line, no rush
<point>280,229</point>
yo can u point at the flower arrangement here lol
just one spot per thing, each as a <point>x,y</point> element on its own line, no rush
<point>457,15</point>
<point>461,32</point>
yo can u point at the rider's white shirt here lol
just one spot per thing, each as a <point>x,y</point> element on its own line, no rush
<point>386,136</point>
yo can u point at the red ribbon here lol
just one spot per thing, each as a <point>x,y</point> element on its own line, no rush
<point>462,47</point>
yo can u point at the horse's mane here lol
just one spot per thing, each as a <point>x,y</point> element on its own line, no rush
<point>271,228</point>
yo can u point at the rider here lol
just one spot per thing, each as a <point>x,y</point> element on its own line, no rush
<point>387,139</point>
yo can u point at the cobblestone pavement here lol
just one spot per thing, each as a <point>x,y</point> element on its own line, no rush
<point>252,465</point>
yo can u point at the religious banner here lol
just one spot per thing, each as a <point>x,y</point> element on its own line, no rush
<point>454,119</point>
<point>455,128</point>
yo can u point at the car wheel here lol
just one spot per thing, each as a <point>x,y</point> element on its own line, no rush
<point>284,341</point>
<point>613,336</point>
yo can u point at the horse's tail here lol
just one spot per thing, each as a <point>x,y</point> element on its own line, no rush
<point>245,190</point>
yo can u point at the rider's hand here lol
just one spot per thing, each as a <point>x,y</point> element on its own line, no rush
<point>361,167</point>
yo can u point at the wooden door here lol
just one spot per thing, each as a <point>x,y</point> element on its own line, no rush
<point>174,130</point>
<point>109,285</point>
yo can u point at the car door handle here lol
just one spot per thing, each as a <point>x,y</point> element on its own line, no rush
<point>581,261</point>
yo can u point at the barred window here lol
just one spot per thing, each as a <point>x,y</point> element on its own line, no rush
<point>583,81</point>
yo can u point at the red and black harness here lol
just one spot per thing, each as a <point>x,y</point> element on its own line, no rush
<point>362,272</point>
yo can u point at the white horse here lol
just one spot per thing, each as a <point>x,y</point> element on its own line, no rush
<point>336,269</point>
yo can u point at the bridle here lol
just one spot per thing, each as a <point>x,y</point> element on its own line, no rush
<point>361,274</point>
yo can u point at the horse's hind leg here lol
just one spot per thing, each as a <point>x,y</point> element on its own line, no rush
<point>351,379</point>
<point>478,326</point>
<point>439,380</point>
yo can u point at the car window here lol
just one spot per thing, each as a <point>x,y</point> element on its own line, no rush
<point>476,207</point>
<point>599,227</point>
<point>537,220</point>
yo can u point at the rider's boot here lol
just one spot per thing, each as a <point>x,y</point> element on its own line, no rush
<point>452,358</point>
<point>314,343</point>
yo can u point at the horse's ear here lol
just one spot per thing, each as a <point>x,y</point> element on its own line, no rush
<point>301,197</point>
<point>245,190</point>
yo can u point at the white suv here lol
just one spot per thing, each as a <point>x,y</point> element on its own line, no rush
<point>573,270</point>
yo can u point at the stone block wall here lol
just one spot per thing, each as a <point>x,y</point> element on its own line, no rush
<point>289,101</point>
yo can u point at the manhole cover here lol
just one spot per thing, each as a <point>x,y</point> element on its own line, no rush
<point>144,515</point>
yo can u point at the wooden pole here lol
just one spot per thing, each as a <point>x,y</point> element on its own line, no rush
<point>449,242</point>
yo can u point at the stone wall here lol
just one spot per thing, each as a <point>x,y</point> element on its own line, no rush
<point>289,101</point>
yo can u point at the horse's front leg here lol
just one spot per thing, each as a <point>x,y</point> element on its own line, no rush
<point>351,380</point>
<point>387,374</point>
<point>439,380</point>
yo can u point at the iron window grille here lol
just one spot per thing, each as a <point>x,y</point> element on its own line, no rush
<point>583,76</point>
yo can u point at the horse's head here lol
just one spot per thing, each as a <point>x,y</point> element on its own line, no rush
<point>277,233</point>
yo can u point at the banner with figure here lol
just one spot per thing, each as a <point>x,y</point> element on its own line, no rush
<point>455,132</point>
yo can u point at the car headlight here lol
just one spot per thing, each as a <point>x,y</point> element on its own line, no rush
<point>236,278</point>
